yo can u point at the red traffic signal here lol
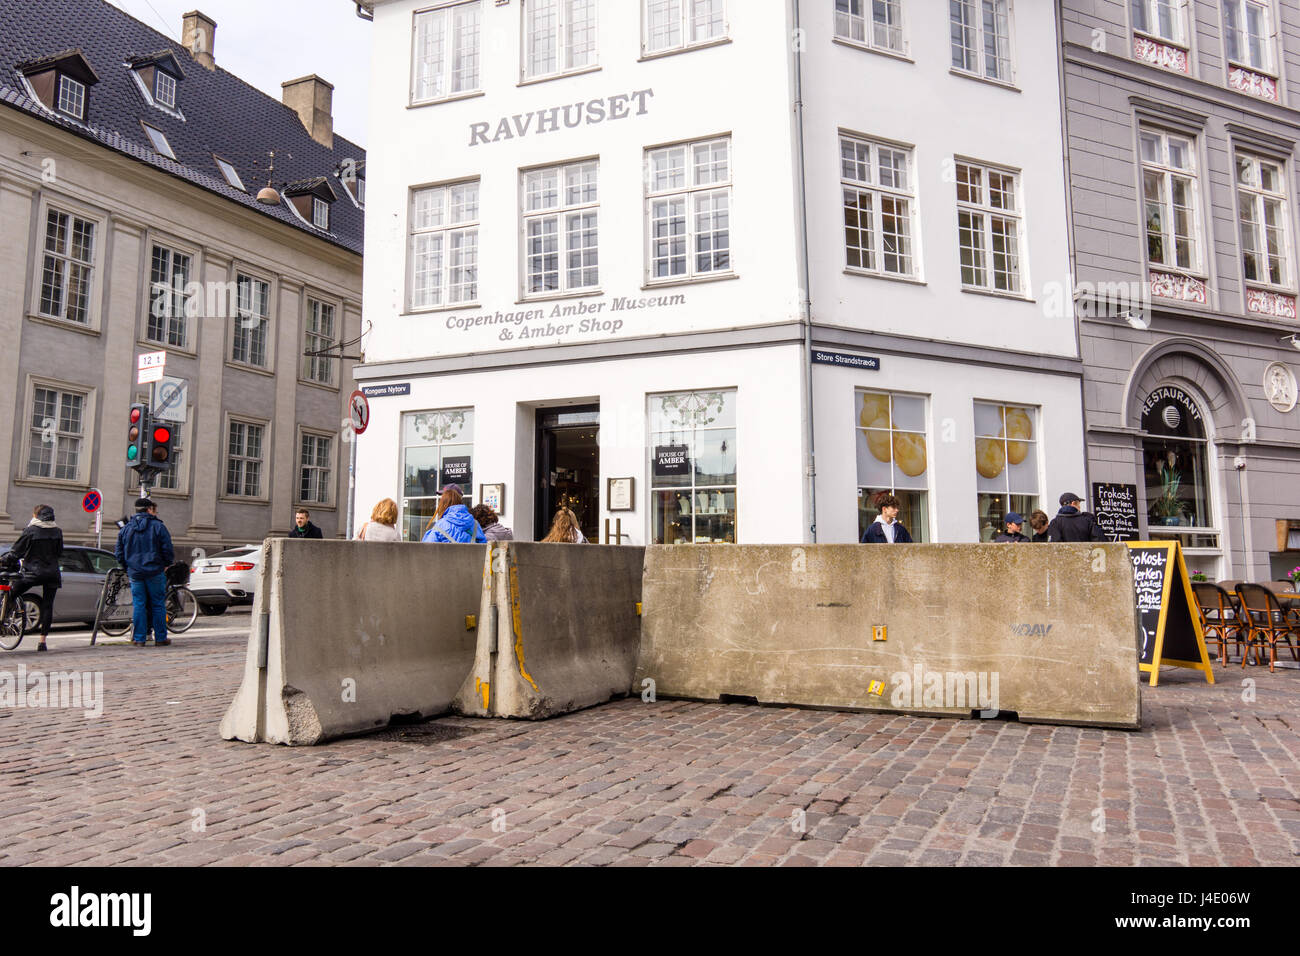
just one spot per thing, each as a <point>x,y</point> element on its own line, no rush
<point>160,448</point>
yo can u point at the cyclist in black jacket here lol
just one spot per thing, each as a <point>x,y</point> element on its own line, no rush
<point>40,546</point>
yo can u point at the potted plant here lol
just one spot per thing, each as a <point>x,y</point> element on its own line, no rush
<point>1294,577</point>
<point>1169,508</point>
<point>1198,576</point>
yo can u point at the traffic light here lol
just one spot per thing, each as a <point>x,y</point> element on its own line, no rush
<point>137,436</point>
<point>161,437</point>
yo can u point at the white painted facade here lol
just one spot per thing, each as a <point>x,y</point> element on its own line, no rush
<point>741,330</point>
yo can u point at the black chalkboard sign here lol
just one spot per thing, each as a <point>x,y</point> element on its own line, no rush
<point>1171,626</point>
<point>1116,510</point>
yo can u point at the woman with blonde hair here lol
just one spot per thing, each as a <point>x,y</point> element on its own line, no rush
<point>564,529</point>
<point>382,525</point>
<point>451,522</point>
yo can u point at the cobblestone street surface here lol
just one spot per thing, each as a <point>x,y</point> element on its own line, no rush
<point>1212,779</point>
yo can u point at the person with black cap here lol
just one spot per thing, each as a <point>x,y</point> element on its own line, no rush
<point>40,546</point>
<point>1072,523</point>
<point>1013,522</point>
<point>144,546</point>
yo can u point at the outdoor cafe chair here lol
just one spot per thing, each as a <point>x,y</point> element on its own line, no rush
<point>1267,623</point>
<point>1221,617</point>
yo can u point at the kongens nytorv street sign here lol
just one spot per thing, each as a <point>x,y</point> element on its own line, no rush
<point>569,115</point>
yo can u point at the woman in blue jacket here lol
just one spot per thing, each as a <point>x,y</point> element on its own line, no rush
<point>452,523</point>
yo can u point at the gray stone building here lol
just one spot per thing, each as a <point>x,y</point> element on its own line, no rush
<point>1182,127</point>
<point>134,218</point>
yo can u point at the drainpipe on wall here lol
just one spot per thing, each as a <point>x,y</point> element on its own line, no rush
<point>805,306</point>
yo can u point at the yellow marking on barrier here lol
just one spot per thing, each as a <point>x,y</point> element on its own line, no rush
<point>518,625</point>
<point>879,632</point>
<point>638,608</point>
<point>482,688</point>
<point>471,622</point>
<point>876,687</point>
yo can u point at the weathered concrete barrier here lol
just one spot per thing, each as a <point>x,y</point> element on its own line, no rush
<point>558,630</point>
<point>348,634</point>
<point>1048,631</point>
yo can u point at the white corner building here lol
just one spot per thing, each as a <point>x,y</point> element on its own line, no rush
<point>666,260</point>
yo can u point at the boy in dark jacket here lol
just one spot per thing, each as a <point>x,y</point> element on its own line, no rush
<point>145,547</point>
<point>1073,524</point>
<point>887,529</point>
<point>40,546</point>
<point>1013,523</point>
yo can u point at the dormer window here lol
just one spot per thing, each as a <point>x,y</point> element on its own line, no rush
<point>310,201</point>
<point>164,89</point>
<point>158,141</point>
<point>158,76</point>
<point>61,83</point>
<point>72,97</point>
<point>352,174</point>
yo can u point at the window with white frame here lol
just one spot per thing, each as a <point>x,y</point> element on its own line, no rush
<point>1164,19</point>
<point>988,228</point>
<point>158,141</point>
<point>981,37</point>
<point>1006,464</point>
<point>1265,228</point>
<point>688,213</point>
<point>679,24</point>
<point>244,453</point>
<point>874,23</point>
<point>693,467</point>
<point>1248,33</point>
<point>164,88</point>
<point>252,316</point>
<point>893,459</point>
<point>68,267</point>
<point>320,213</point>
<point>446,58</point>
<point>1169,184</point>
<point>72,96</point>
<point>559,36</point>
<point>318,335</point>
<point>57,430</point>
<point>437,450</point>
<point>560,228</point>
<point>879,203</point>
<point>315,469</point>
<point>169,275</point>
<point>444,245</point>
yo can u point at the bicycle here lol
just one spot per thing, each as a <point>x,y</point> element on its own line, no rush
<point>117,609</point>
<point>13,620</point>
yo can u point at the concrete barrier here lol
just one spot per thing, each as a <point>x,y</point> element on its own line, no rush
<point>1048,631</point>
<point>348,634</point>
<point>558,630</point>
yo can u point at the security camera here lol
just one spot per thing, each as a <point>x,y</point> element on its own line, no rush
<point>1239,462</point>
<point>1293,338</point>
<point>1137,320</point>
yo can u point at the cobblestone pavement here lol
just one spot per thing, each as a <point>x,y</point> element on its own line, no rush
<point>1212,779</point>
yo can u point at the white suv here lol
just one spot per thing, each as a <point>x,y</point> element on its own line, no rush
<point>226,578</point>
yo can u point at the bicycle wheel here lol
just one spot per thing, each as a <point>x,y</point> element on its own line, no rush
<point>182,609</point>
<point>12,625</point>
<point>117,612</point>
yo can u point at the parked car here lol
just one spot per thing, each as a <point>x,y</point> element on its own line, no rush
<point>226,578</point>
<point>83,570</point>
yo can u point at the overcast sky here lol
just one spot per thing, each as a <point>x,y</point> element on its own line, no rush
<point>265,42</point>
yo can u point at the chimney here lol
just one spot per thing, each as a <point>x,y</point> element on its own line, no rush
<point>199,35</point>
<point>313,100</point>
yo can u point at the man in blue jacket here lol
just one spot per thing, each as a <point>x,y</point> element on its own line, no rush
<point>145,547</point>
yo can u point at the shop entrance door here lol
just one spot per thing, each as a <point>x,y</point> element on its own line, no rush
<point>568,467</point>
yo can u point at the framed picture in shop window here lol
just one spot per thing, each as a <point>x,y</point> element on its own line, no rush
<point>620,494</point>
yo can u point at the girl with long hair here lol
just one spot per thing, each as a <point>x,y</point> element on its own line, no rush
<point>564,529</point>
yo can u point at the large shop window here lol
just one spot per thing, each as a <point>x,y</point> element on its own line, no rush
<point>693,467</point>
<point>893,457</point>
<point>437,450</point>
<point>1006,463</point>
<point>1176,471</point>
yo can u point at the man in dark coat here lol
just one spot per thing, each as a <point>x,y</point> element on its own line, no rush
<point>1073,524</point>
<point>1013,522</point>
<point>144,546</point>
<point>39,546</point>
<point>887,529</point>
<point>302,526</point>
